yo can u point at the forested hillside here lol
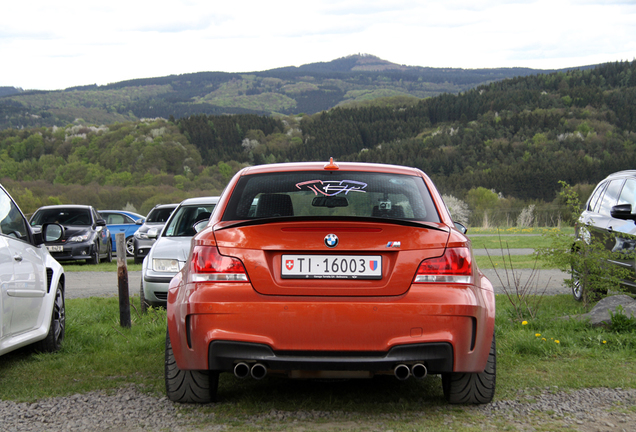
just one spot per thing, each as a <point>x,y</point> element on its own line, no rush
<point>306,89</point>
<point>501,147</point>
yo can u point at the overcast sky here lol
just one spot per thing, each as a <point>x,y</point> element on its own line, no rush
<point>52,45</point>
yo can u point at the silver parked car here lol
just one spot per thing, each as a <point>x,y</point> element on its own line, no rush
<point>152,224</point>
<point>32,282</point>
<point>169,253</point>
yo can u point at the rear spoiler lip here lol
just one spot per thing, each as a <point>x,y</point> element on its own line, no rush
<point>261,221</point>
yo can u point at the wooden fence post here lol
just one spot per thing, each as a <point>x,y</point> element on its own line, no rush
<point>122,281</point>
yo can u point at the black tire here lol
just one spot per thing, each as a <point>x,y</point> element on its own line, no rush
<point>188,386</point>
<point>472,388</point>
<point>53,340</point>
<point>130,246</point>
<point>94,259</point>
<point>142,298</point>
<point>577,287</point>
<point>109,254</point>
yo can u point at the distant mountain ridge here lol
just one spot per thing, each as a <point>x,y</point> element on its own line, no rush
<point>308,89</point>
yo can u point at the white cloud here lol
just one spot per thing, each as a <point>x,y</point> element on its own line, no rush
<point>48,45</point>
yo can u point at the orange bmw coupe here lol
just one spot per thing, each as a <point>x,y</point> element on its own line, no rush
<point>331,270</point>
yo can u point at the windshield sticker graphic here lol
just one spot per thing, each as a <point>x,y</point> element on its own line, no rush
<point>333,188</point>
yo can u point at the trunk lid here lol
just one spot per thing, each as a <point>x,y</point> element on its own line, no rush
<point>398,249</point>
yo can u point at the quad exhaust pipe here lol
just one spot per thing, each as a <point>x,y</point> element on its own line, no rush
<point>403,372</point>
<point>256,371</point>
<point>259,371</point>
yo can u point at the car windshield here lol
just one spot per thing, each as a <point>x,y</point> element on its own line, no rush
<point>331,194</point>
<point>181,224</point>
<point>62,216</point>
<point>160,215</point>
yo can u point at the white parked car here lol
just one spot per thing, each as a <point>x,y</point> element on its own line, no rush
<point>31,283</point>
<point>171,248</point>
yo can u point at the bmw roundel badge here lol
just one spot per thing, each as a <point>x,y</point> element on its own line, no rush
<point>331,240</point>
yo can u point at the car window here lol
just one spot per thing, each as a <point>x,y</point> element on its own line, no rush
<point>628,194</point>
<point>159,215</point>
<point>181,224</point>
<point>594,199</point>
<point>81,217</point>
<point>610,197</point>
<point>331,194</point>
<point>12,222</point>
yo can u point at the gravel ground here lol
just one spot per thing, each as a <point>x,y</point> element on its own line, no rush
<point>129,410</point>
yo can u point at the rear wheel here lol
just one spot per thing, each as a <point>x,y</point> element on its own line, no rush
<point>53,340</point>
<point>472,388</point>
<point>188,386</point>
<point>577,287</point>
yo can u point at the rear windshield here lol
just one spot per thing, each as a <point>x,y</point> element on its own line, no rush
<point>331,194</point>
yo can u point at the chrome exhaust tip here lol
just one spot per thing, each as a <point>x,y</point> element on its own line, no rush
<point>241,370</point>
<point>402,372</point>
<point>419,371</point>
<point>258,371</point>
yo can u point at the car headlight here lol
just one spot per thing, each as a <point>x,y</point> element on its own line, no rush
<point>80,238</point>
<point>165,265</point>
<point>141,235</point>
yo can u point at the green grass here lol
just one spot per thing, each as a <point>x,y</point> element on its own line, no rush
<point>544,352</point>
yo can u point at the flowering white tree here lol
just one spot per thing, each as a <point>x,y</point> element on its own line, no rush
<point>526,217</point>
<point>457,208</point>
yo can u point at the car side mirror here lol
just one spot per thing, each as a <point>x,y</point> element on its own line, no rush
<point>100,222</point>
<point>140,221</point>
<point>622,211</point>
<point>200,225</point>
<point>460,227</point>
<point>50,232</point>
<point>153,233</point>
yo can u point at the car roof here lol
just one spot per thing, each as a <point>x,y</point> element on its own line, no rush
<point>67,206</point>
<point>161,206</point>
<point>622,174</point>
<point>200,200</point>
<point>331,166</point>
<point>126,212</point>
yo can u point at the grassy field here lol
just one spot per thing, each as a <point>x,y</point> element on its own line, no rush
<point>532,354</point>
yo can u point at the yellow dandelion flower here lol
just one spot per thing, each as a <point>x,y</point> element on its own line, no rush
<point>557,341</point>
<point>537,334</point>
<point>524,323</point>
<point>543,339</point>
<point>604,342</point>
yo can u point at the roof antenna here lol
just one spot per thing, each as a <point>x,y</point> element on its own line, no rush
<point>331,165</point>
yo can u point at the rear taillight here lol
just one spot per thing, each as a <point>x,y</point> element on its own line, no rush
<point>455,266</point>
<point>208,265</point>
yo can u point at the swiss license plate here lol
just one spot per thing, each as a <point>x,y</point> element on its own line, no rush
<point>55,248</point>
<point>331,267</point>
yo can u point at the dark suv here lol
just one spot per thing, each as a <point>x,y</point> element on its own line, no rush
<point>156,219</point>
<point>610,215</point>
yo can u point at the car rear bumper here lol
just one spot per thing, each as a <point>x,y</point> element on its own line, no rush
<point>310,332</point>
<point>224,355</point>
